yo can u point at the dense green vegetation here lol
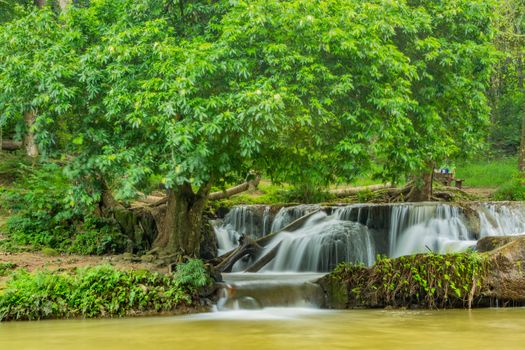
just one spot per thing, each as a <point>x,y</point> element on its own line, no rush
<point>103,102</point>
<point>428,280</point>
<point>41,213</point>
<point>100,291</point>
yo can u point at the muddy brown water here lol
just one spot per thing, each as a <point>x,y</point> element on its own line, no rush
<point>279,328</point>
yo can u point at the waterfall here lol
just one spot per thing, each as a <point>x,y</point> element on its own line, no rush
<point>358,232</point>
<point>241,220</point>
<point>287,215</point>
<point>427,227</point>
<point>501,220</point>
<point>256,291</point>
<point>322,243</point>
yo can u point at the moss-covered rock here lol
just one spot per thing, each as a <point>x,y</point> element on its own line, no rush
<point>423,280</point>
<point>434,281</point>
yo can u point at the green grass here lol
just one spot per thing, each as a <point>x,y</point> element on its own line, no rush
<point>489,173</point>
<point>266,193</point>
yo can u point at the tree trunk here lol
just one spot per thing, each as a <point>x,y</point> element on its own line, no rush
<point>29,140</point>
<point>181,235</point>
<point>422,190</point>
<point>63,4</point>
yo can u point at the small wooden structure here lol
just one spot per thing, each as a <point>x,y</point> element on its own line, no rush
<point>447,179</point>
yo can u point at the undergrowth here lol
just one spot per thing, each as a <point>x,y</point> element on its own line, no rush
<point>41,215</point>
<point>424,280</point>
<point>512,190</point>
<point>101,291</point>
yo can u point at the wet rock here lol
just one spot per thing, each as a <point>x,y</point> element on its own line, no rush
<point>209,244</point>
<point>506,279</point>
<point>487,244</point>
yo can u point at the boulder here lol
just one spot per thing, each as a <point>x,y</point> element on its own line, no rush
<point>487,244</point>
<point>505,281</point>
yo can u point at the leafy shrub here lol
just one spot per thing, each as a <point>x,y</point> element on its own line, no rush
<point>100,292</point>
<point>6,267</point>
<point>192,275</point>
<point>306,193</point>
<point>428,280</point>
<point>42,216</point>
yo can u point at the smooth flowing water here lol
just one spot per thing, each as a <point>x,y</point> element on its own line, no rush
<point>279,328</point>
<point>358,232</point>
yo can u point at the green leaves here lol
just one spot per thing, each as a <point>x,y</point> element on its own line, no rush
<point>310,92</point>
<point>99,291</point>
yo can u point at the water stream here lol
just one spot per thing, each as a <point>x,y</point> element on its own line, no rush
<point>357,233</point>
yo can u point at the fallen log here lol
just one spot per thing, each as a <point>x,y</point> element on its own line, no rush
<point>350,191</point>
<point>263,261</point>
<point>212,196</point>
<point>235,190</point>
<point>248,246</point>
<point>9,145</point>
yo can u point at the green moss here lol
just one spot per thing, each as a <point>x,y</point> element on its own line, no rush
<point>49,252</point>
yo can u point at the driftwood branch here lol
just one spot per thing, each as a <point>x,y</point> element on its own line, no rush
<point>221,194</point>
<point>248,246</point>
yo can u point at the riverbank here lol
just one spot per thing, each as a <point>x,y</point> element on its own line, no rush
<point>104,291</point>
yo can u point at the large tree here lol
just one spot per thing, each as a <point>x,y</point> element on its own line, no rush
<point>303,90</point>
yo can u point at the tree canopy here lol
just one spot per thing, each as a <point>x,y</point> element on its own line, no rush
<point>201,92</point>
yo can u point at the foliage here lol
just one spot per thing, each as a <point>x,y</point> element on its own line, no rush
<point>512,190</point>
<point>236,96</point>
<point>43,216</point>
<point>10,165</point>
<point>308,92</point>
<point>428,280</point>
<point>192,276</point>
<point>100,291</point>
<point>11,9</point>
<point>507,89</point>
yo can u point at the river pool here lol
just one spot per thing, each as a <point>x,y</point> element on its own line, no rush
<point>279,328</point>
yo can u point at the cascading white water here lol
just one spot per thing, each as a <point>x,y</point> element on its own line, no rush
<point>259,290</point>
<point>427,227</point>
<point>322,243</point>
<point>350,233</point>
<point>287,215</point>
<point>501,220</point>
<point>354,233</point>
<point>241,220</point>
